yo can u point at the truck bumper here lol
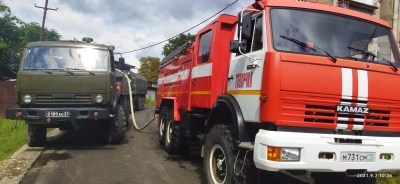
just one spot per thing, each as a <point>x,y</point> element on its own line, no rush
<point>58,113</point>
<point>311,145</point>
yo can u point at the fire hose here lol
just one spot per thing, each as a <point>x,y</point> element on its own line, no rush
<point>131,104</point>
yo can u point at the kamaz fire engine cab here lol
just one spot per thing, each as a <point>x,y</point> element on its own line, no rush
<point>284,85</point>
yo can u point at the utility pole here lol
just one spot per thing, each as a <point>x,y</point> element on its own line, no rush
<point>44,17</point>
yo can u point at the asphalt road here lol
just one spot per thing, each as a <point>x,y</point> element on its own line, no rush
<point>81,157</point>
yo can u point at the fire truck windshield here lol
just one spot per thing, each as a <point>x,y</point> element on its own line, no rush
<point>340,36</point>
<point>60,58</point>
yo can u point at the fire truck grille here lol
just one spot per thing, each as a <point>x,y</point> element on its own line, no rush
<point>378,118</point>
<point>321,114</point>
<point>327,114</point>
<point>63,99</point>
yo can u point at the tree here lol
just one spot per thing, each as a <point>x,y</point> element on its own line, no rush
<point>15,34</point>
<point>10,38</point>
<point>32,33</point>
<point>176,42</point>
<point>149,68</point>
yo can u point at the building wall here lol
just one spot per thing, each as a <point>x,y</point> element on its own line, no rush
<point>387,10</point>
<point>7,96</point>
<point>151,94</point>
<point>152,90</point>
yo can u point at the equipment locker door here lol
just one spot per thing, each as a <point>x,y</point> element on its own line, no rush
<point>244,81</point>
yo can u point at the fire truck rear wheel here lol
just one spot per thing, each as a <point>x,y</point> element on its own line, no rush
<point>175,143</point>
<point>115,129</point>
<point>161,126</point>
<point>219,158</point>
<point>36,135</point>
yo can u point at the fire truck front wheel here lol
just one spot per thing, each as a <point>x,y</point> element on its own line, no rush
<point>219,158</point>
<point>175,143</point>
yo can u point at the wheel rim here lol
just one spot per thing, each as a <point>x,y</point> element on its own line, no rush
<point>218,164</point>
<point>161,129</point>
<point>169,132</point>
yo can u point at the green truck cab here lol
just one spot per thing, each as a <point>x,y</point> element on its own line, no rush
<point>69,84</point>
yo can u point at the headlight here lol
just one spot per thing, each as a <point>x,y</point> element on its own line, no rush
<point>290,154</point>
<point>27,99</point>
<point>99,99</point>
<point>283,154</point>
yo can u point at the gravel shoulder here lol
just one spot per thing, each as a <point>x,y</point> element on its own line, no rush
<point>13,170</point>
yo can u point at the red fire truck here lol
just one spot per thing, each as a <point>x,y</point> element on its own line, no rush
<point>285,85</point>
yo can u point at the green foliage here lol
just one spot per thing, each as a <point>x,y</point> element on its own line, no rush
<point>12,137</point>
<point>390,178</point>
<point>176,42</point>
<point>32,33</point>
<point>149,68</point>
<point>149,102</point>
<point>15,34</point>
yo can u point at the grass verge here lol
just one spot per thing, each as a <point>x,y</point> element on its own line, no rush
<point>12,137</point>
<point>149,102</point>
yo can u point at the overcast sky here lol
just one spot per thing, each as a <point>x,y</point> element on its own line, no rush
<point>128,25</point>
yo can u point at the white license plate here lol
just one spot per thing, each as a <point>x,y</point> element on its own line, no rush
<point>357,157</point>
<point>57,114</point>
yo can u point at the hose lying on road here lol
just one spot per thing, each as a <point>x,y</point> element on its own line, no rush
<point>131,104</point>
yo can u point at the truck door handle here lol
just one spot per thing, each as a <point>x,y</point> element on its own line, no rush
<point>194,81</point>
<point>230,78</point>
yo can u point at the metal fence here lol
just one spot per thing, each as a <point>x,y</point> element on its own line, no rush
<point>6,96</point>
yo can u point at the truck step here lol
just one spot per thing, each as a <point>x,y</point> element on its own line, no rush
<point>199,116</point>
<point>201,137</point>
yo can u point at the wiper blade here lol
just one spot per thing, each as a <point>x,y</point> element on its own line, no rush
<point>375,56</point>
<point>47,71</point>
<point>362,51</point>
<point>68,72</point>
<point>80,69</point>
<point>308,46</point>
<point>44,70</point>
<point>394,67</point>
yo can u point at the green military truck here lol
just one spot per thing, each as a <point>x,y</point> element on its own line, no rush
<point>69,84</point>
<point>139,87</point>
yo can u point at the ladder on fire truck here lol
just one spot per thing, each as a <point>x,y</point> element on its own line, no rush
<point>174,54</point>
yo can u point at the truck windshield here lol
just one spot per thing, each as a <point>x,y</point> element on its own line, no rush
<point>342,37</point>
<point>53,58</point>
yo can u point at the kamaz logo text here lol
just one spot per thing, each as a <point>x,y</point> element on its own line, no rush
<point>242,78</point>
<point>352,109</point>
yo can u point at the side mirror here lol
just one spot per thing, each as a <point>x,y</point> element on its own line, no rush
<point>121,63</point>
<point>245,25</point>
<point>234,46</point>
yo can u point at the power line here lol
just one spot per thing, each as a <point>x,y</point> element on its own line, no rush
<point>57,25</point>
<point>181,32</point>
<point>76,27</point>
